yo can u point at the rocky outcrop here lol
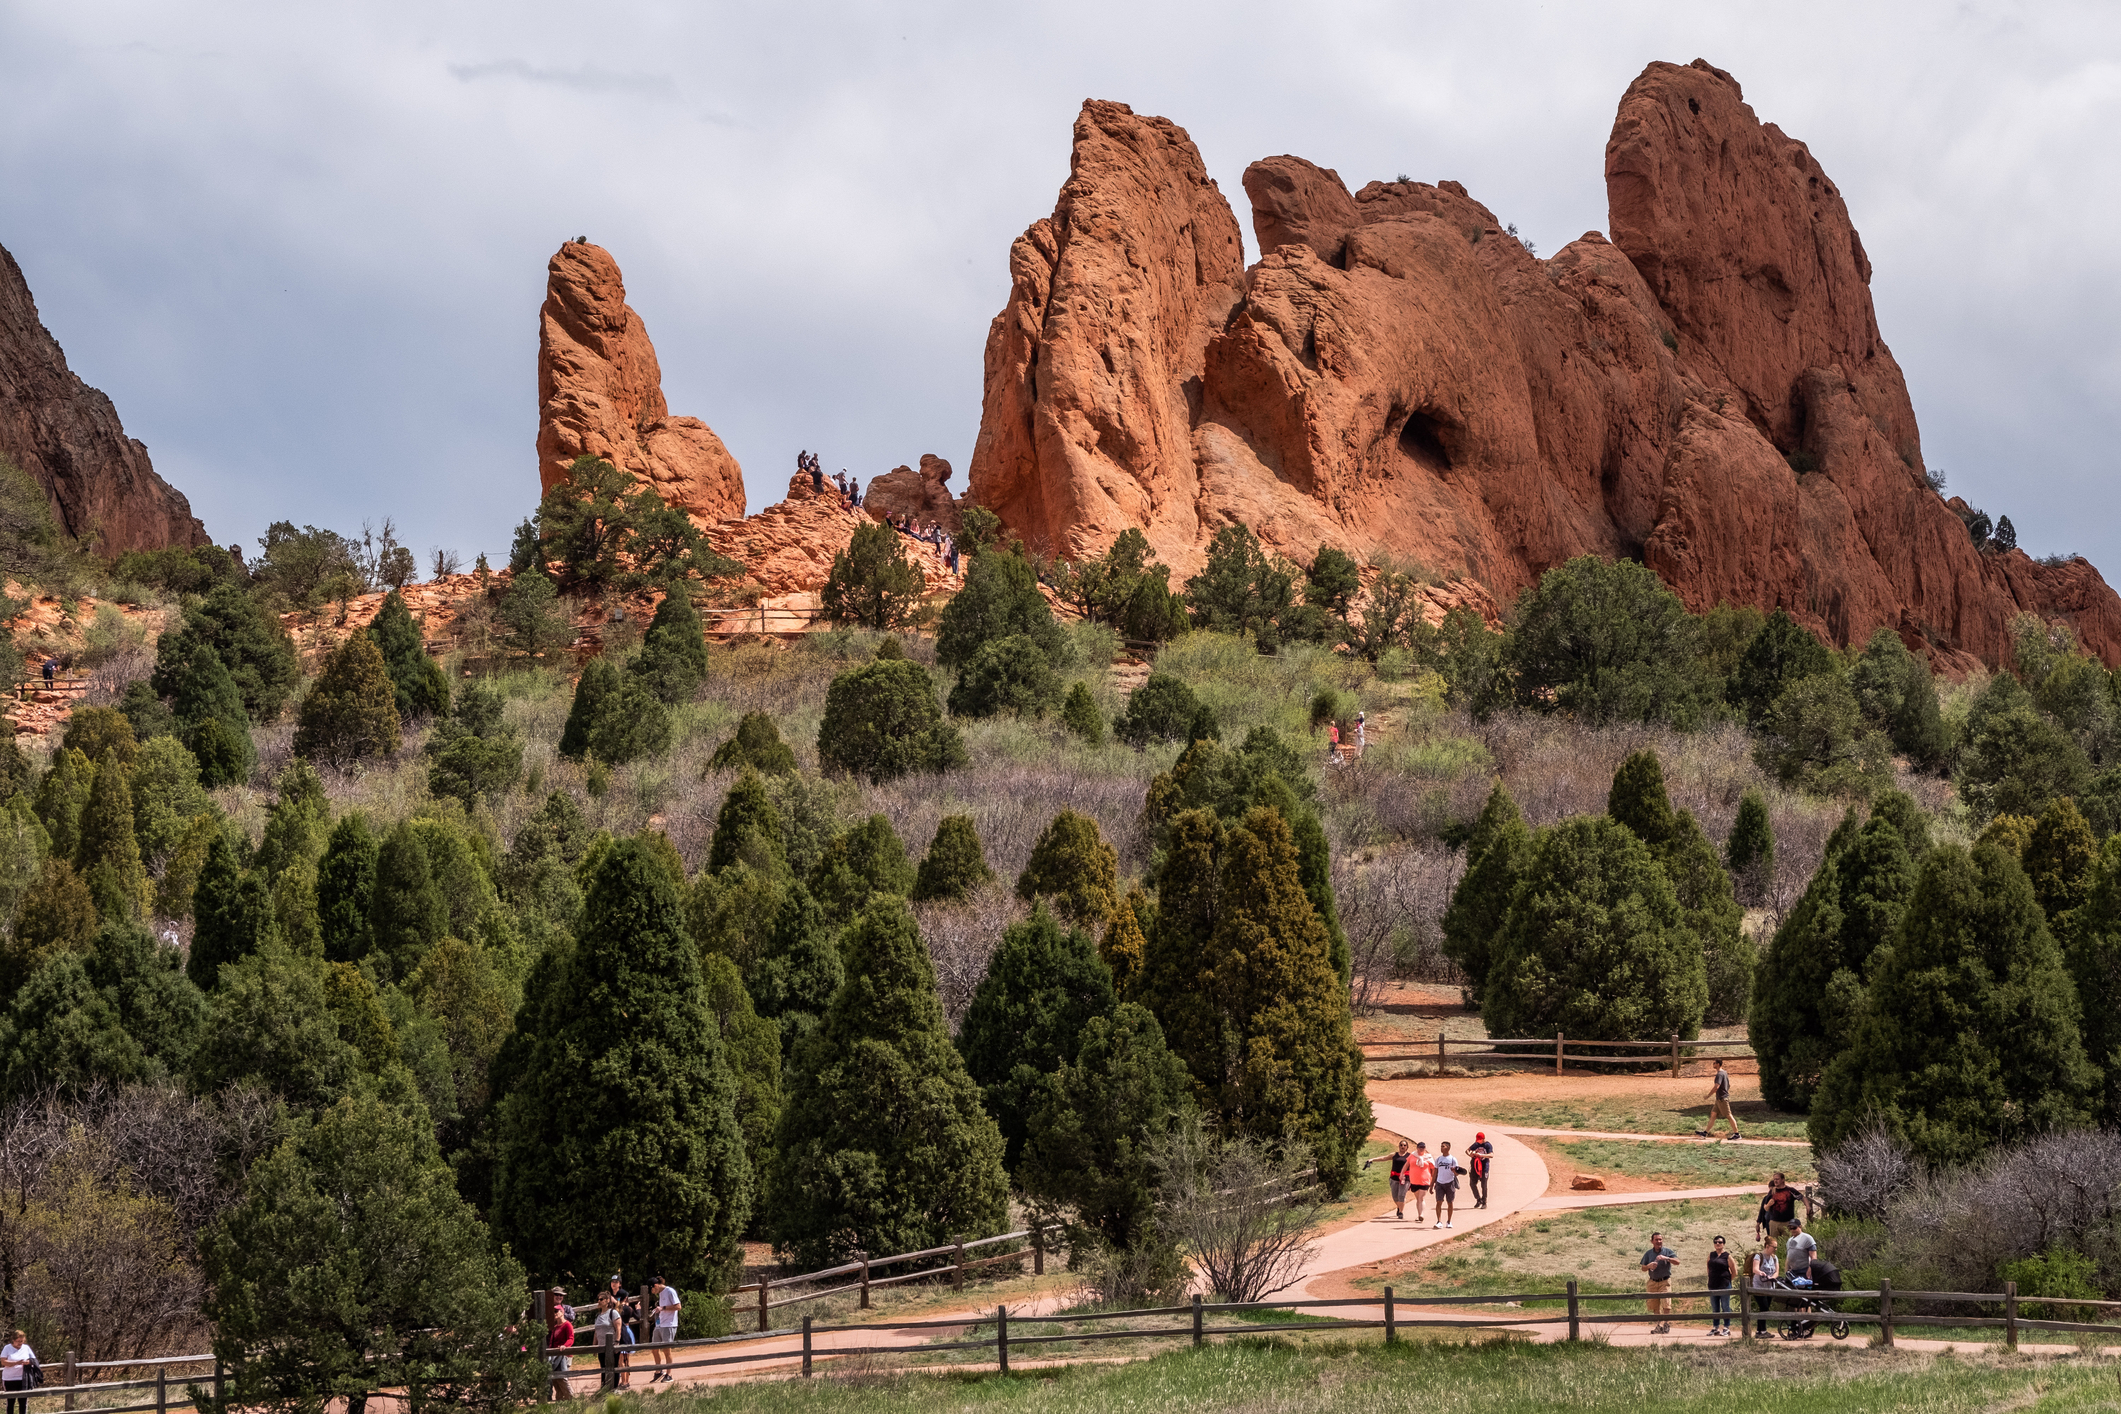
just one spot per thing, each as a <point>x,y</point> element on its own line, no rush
<point>923,494</point>
<point>788,547</point>
<point>1707,391</point>
<point>600,393</point>
<point>67,435</point>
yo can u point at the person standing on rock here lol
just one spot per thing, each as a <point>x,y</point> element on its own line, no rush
<point>1720,1102</point>
<point>1446,1186</point>
<point>1657,1266</point>
<point>1482,1162</point>
<point>1402,1177</point>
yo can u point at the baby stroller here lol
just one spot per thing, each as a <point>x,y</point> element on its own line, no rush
<point>1805,1294</point>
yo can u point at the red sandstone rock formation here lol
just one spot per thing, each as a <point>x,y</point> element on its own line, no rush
<point>788,547</point>
<point>67,435</point>
<point>1397,375</point>
<point>924,494</point>
<point>600,392</point>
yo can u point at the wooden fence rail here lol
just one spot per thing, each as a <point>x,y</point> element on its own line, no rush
<point>955,1269</point>
<point>1672,1050</point>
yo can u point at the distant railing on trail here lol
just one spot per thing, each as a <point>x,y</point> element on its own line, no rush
<point>1400,1312</point>
<point>26,688</point>
<point>1671,1050</point>
<point>864,1268</point>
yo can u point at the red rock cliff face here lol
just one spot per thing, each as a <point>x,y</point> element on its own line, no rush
<point>67,435</point>
<point>600,393</point>
<point>1396,375</point>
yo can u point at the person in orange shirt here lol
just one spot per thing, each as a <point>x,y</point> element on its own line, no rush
<point>1424,1177</point>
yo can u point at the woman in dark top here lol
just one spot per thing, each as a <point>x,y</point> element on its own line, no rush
<point>1720,1272</point>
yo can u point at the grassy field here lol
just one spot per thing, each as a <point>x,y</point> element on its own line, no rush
<point>1269,1376</point>
<point>1631,1114</point>
<point>1686,1165</point>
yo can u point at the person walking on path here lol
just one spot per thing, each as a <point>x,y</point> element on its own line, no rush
<point>1720,1102</point>
<point>1482,1162</point>
<point>1362,737</point>
<point>16,1357</point>
<point>1446,1186</point>
<point>1424,1175</point>
<point>1333,743</point>
<point>1778,1209</point>
<point>1720,1279</point>
<point>611,1320</point>
<point>50,669</point>
<point>559,1335</point>
<point>1657,1266</point>
<point>1764,1271</point>
<point>1798,1252</point>
<point>667,1306</point>
<point>1402,1176</point>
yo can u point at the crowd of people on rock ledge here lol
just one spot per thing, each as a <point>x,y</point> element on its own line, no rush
<point>929,532</point>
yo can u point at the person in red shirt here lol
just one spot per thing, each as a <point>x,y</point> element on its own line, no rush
<point>559,1335</point>
<point>1482,1155</point>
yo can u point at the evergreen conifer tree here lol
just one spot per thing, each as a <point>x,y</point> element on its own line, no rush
<point>407,913</point>
<point>859,864</point>
<point>629,1074</point>
<point>420,689</point>
<point>748,830</point>
<point>167,797</point>
<point>61,796</point>
<point>2059,859</point>
<point>1010,674</point>
<point>673,657</point>
<point>352,712</point>
<point>346,884</point>
<point>209,711</point>
<point>1708,907</point>
<point>245,638</point>
<point>108,854</point>
<point>1239,973</point>
<point>1079,715</point>
<point>232,914</point>
<point>1595,943</point>
<point>883,1146</point>
<point>62,1035</point>
<point>598,682</point>
<point>1096,1124</point>
<point>632,724</point>
<point>1750,852</point>
<point>298,822</point>
<point>954,865</point>
<point>271,1024</point>
<point>797,971</point>
<point>1162,709</point>
<point>1638,800</point>
<point>1782,653</point>
<point>1497,854</point>
<point>1072,865</point>
<point>1969,1036</point>
<point>1043,986</point>
<point>883,721</point>
<point>757,744</point>
<point>57,915</point>
<point>751,1045</point>
<point>2094,956</point>
<point>1000,600</point>
<point>1898,696</point>
<point>102,734</point>
<point>1125,945</point>
<point>473,752</point>
<point>155,1002</point>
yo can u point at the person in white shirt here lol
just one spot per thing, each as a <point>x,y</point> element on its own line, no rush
<point>15,1359</point>
<point>667,1306</point>
<point>1447,1168</point>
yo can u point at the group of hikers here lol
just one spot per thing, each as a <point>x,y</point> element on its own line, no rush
<point>1416,1175</point>
<point>1799,1266</point>
<point>1357,738</point>
<point>849,487</point>
<point>613,1318</point>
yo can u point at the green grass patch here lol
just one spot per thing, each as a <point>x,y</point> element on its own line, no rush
<point>1701,1165</point>
<point>1632,1114</point>
<point>1495,1376</point>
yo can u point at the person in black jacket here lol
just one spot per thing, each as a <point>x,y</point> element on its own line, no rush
<point>1721,1271</point>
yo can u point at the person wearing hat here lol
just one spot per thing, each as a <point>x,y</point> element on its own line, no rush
<point>559,1335</point>
<point>1480,1159</point>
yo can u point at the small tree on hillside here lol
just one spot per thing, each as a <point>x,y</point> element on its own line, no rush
<point>748,829</point>
<point>1006,675</point>
<point>757,744</point>
<point>1079,715</point>
<point>859,864</point>
<point>883,1146</point>
<point>422,691</point>
<point>1969,1036</point>
<point>1161,709</point>
<point>1000,600</point>
<point>1814,738</point>
<point>352,712</point>
<point>108,854</point>
<point>673,657</point>
<point>597,685</point>
<point>407,911</point>
<point>1043,986</point>
<point>882,721</point>
<point>1606,641</point>
<point>1707,905</point>
<point>1072,865</point>
<point>1241,589</point>
<point>872,584</point>
<point>631,1072</point>
<point>797,971</point>
<point>209,713</point>
<point>1897,695</point>
<point>2094,958</point>
<point>1497,854</point>
<point>955,864</point>
<point>1782,653</point>
<point>1595,944</point>
<point>2060,859</point>
<point>1750,852</point>
<point>473,754</point>
<point>232,914</point>
<point>534,619</point>
<point>632,724</point>
<point>346,883</point>
<point>247,639</point>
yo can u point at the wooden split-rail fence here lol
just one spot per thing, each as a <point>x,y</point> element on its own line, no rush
<point>1669,1051</point>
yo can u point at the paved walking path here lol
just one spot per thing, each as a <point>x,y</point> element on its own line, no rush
<point>1650,1138</point>
<point>1549,1202</point>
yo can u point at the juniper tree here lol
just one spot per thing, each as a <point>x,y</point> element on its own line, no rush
<point>57,914</point>
<point>1750,852</point>
<point>1042,987</point>
<point>473,754</point>
<point>62,794</point>
<point>271,1025</point>
<point>1595,943</point>
<point>1072,865</point>
<point>421,689</point>
<point>1708,908</point>
<point>1000,600</point>
<point>61,1037</point>
<point>954,865</point>
<point>751,1046</point>
<point>108,853</point>
<point>599,681</point>
<point>102,734</point>
<point>1897,694</point>
<point>1079,715</point>
<point>1782,653</point>
<point>1163,708</point>
<point>2094,957</point>
<point>1497,854</point>
<point>632,724</point>
<point>757,744</point>
<point>208,707</point>
<point>346,883</point>
<point>883,721</point>
<point>1638,800</point>
<point>629,1073</point>
<point>883,1146</point>
<point>673,657</point>
<point>1125,944</point>
<point>748,830</point>
<point>1605,641</point>
<point>798,969</point>
<point>167,796</point>
<point>1969,1036</point>
<point>860,863</point>
<point>1012,674</point>
<point>232,914</point>
<point>407,913</point>
<point>352,711</point>
<point>245,638</point>
<point>871,583</point>
<point>2060,859</point>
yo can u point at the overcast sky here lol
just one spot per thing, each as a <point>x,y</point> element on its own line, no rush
<point>303,247</point>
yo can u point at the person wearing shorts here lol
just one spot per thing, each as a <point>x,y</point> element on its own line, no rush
<point>1720,1102</point>
<point>1446,1186</point>
<point>1424,1176</point>
<point>1777,1210</point>
<point>1402,1175</point>
<point>667,1306</point>
<point>1657,1266</point>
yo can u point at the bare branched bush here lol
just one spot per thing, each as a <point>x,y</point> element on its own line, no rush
<point>1861,1178</point>
<point>1242,1211</point>
<point>1391,906</point>
<point>961,937</point>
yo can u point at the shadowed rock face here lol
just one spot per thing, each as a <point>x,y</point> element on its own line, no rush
<point>67,435</point>
<point>600,393</point>
<point>1397,375</point>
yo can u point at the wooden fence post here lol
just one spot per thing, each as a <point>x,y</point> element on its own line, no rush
<point>1885,1312</point>
<point>1675,1055</point>
<point>1196,1318</point>
<point>1001,1336</point>
<point>1557,1053</point>
<point>72,1377</point>
<point>1440,1053</point>
<point>1391,1321</point>
<point>806,1347</point>
<point>865,1283</point>
<point>161,1390</point>
<point>957,1268</point>
<point>2010,1315</point>
<point>1038,1250</point>
<point>1573,1332</point>
<point>220,1385</point>
<point>1745,1308</point>
<point>763,1285</point>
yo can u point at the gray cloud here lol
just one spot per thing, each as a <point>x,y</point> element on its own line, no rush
<point>588,78</point>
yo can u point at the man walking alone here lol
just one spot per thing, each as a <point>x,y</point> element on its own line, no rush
<point>1482,1157</point>
<point>1720,1103</point>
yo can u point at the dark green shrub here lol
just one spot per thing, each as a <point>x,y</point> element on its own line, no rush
<point>872,584</point>
<point>1498,852</point>
<point>1240,589</point>
<point>1000,600</point>
<point>57,915</point>
<point>473,753</point>
<point>757,744</point>
<point>203,691</point>
<point>352,712</point>
<point>2094,955</point>
<point>882,721</point>
<point>599,682</point>
<point>2060,859</point>
<point>748,830</point>
<point>1072,865</point>
<point>346,884</point>
<point>1161,709</point>
<point>2016,759</point>
<point>1606,641</point>
<point>102,734</point>
<point>232,914</point>
<point>535,621</point>
<point>673,656</point>
<point>1782,653</point>
<point>796,972</point>
<point>955,864</point>
<point>1894,689</point>
<point>421,688</point>
<point>1079,715</point>
<point>861,863</point>
<point>632,724</point>
<point>248,640</point>
<point>1123,590</point>
<point>1750,852</point>
<point>408,908</point>
<point>1814,737</point>
<point>1006,675</point>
